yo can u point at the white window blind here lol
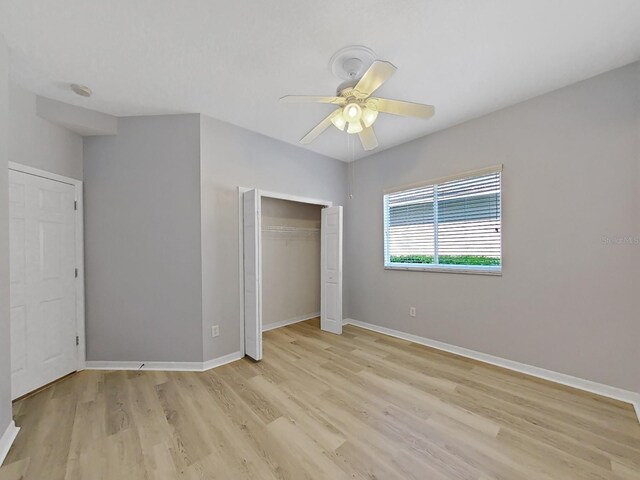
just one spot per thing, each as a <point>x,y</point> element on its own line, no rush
<point>451,225</point>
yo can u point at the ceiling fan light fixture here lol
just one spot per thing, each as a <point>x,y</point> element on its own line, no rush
<point>352,112</point>
<point>355,127</point>
<point>338,121</point>
<point>369,116</point>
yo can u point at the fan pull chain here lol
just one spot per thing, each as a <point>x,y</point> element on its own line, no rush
<point>352,166</point>
<point>350,171</point>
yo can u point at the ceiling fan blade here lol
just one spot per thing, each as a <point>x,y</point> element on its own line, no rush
<point>407,109</point>
<point>368,138</point>
<point>312,99</point>
<point>318,129</point>
<point>378,73</point>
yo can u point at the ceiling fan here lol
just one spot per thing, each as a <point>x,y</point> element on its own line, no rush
<point>357,109</point>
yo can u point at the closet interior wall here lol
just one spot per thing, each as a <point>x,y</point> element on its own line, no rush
<point>290,262</point>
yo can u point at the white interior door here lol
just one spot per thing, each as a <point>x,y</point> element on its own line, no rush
<point>331,270</point>
<point>42,273</point>
<point>252,275</point>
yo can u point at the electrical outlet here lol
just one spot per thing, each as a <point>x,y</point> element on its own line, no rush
<point>412,311</point>
<point>215,331</point>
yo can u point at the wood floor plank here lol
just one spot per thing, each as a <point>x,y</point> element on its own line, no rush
<point>189,436</point>
<point>328,437</point>
<point>360,405</point>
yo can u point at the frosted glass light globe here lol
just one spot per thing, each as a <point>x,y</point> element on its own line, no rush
<point>352,112</point>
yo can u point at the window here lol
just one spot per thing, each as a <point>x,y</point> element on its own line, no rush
<point>453,224</point>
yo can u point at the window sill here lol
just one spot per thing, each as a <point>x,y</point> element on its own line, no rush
<point>496,271</point>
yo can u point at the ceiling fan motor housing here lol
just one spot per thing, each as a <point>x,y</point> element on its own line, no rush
<point>345,88</point>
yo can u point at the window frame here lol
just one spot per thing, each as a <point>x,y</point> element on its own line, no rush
<point>495,270</point>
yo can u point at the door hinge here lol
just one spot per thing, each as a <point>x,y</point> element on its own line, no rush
<point>75,205</point>
<point>77,340</point>
<point>76,273</point>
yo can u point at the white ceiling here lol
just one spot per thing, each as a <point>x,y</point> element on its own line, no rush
<point>232,60</point>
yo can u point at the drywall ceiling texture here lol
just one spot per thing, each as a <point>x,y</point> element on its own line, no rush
<point>38,143</point>
<point>567,300</point>
<point>232,157</point>
<point>142,241</point>
<point>232,61</point>
<point>290,260</point>
<point>5,346</point>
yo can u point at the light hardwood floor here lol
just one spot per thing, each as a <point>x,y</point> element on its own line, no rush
<point>360,405</point>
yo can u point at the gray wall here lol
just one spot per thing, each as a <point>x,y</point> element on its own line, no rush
<point>566,301</point>
<point>5,357</point>
<point>39,143</point>
<point>161,231</point>
<point>142,237</point>
<point>233,157</point>
<point>290,260</point>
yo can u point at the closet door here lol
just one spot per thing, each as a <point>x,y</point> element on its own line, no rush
<point>252,276</point>
<point>42,273</point>
<point>331,270</point>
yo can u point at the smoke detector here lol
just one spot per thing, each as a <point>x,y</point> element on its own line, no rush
<point>81,90</point>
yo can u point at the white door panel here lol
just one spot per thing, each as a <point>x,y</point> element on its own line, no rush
<point>252,275</point>
<point>42,273</point>
<point>331,270</point>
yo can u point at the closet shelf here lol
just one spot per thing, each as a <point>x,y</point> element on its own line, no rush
<point>283,229</point>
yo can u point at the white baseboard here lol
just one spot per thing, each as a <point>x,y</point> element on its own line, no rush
<point>171,366</point>
<point>7,439</point>
<point>291,321</point>
<point>218,362</point>
<point>165,366</point>
<point>561,378</point>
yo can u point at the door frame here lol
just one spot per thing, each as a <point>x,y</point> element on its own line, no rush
<point>269,194</point>
<point>79,237</point>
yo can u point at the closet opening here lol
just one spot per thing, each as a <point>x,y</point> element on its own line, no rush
<point>291,264</point>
